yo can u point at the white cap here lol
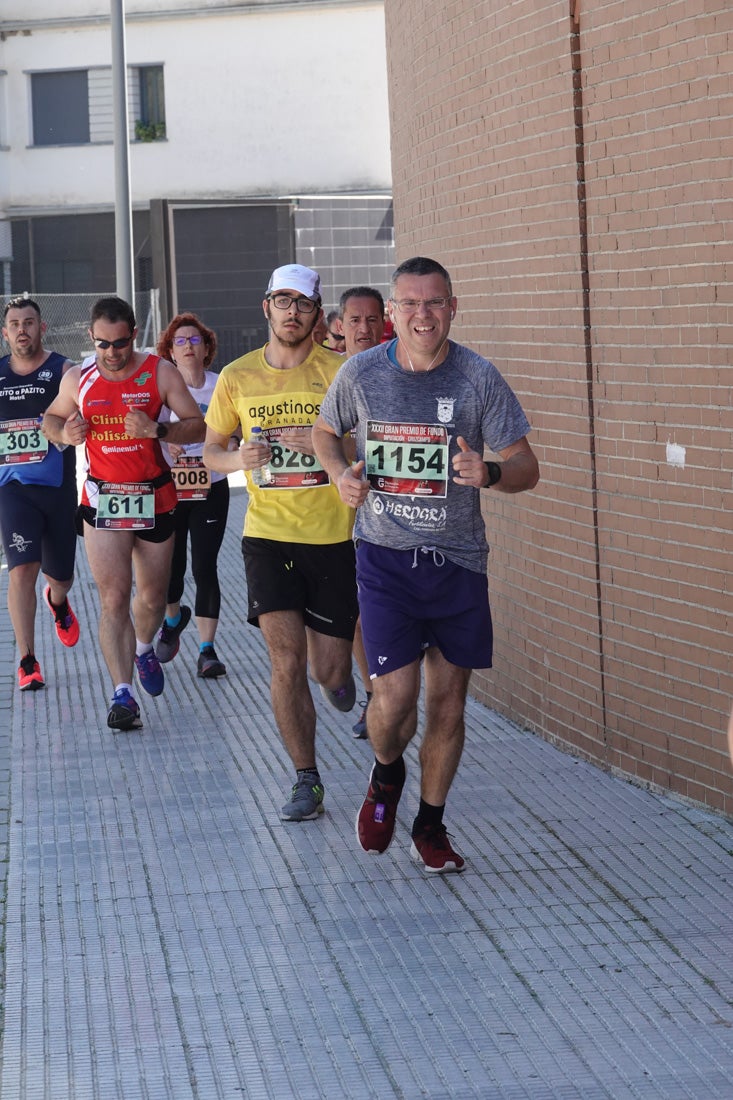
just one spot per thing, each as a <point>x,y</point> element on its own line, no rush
<point>295,277</point>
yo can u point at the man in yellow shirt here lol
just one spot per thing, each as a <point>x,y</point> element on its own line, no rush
<point>297,547</point>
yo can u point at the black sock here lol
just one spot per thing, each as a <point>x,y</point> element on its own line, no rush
<point>428,817</point>
<point>309,773</point>
<point>391,775</point>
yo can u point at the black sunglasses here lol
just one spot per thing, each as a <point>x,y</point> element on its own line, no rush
<point>122,342</point>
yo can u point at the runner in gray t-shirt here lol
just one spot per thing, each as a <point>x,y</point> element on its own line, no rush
<point>421,409</point>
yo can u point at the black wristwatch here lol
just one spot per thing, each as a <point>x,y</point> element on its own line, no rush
<point>161,431</point>
<point>494,471</point>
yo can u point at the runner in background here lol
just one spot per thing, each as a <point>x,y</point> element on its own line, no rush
<point>37,488</point>
<point>361,312</point>
<point>335,339</point>
<point>203,502</point>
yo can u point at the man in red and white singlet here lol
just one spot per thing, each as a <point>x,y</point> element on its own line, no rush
<point>110,404</point>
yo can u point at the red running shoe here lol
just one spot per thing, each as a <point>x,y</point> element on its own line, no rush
<point>29,674</point>
<point>65,620</point>
<point>432,848</point>
<point>375,821</point>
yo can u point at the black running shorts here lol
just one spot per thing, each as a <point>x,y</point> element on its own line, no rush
<point>318,581</point>
<point>164,524</point>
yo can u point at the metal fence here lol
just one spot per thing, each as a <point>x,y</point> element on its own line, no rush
<point>67,321</point>
<point>235,340</point>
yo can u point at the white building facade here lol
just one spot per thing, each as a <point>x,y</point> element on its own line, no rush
<point>259,134</point>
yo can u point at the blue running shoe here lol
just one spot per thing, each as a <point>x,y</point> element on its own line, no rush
<point>359,728</point>
<point>124,714</point>
<point>150,673</point>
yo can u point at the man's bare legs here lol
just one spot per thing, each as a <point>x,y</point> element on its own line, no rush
<point>292,646</point>
<point>292,703</point>
<point>111,556</point>
<point>152,565</point>
<point>359,729</point>
<point>442,744</point>
<point>22,607</point>
<point>393,720</point>
<point>392,723</point>
<point>22,604</point>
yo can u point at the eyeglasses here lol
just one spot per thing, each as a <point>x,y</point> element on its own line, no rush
<point>284,301</point>
<point>411,305</point>
<point>179,341</point>
<point>116,344</point>
<point>336,336</point>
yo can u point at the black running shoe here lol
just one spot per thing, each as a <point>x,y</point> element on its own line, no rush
<point>124,714</point>
<point>208,665</point>
<point>169,638</point>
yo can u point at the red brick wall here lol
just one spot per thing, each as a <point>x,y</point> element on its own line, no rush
<point>611,586</point>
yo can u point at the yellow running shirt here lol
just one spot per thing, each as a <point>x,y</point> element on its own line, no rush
<point>299,504</point>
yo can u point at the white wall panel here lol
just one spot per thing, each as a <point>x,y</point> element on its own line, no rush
<point>275,102</point>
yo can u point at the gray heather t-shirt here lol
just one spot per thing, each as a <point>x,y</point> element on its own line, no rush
<point>406,427</point>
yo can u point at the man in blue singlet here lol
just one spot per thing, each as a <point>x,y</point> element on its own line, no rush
<point>37,487</point>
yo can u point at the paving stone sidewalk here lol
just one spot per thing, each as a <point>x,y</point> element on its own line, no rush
<point>167,937</point>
